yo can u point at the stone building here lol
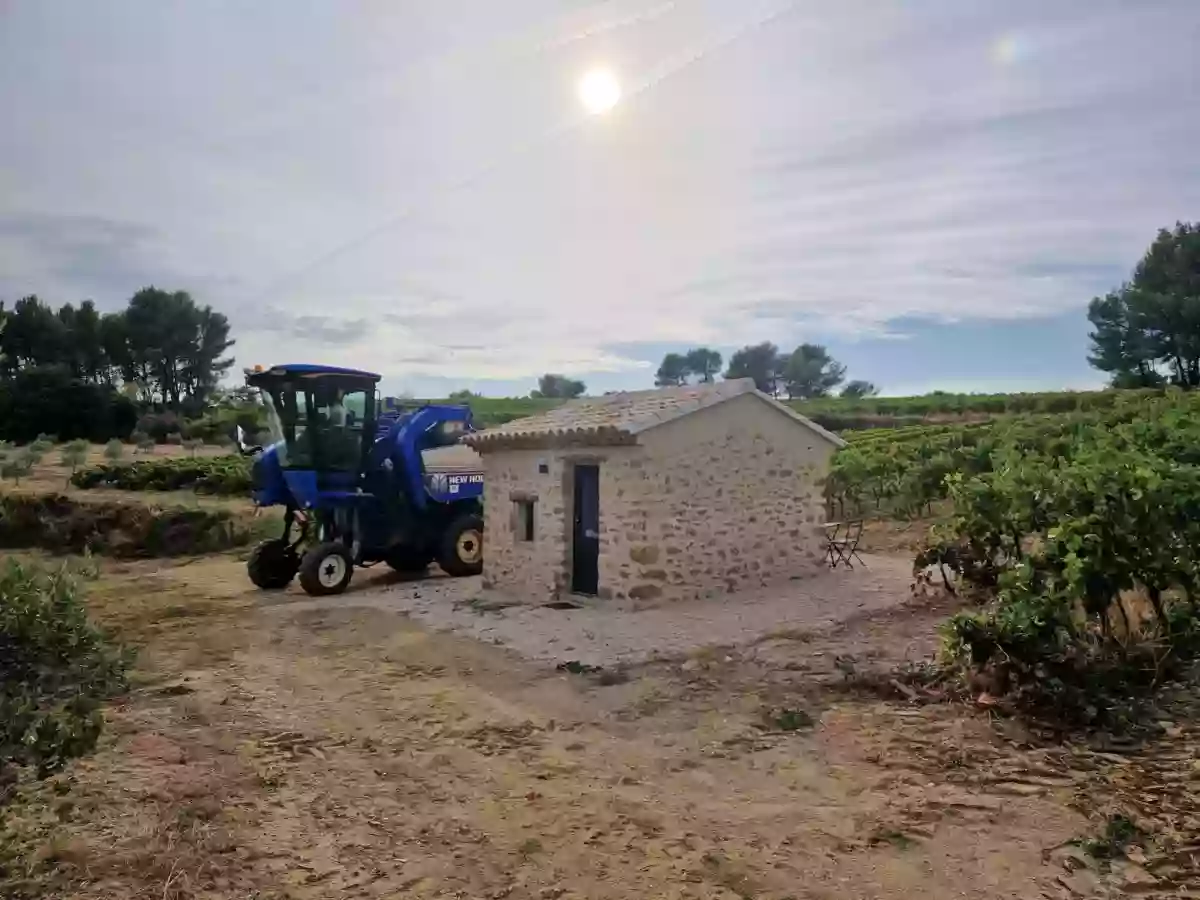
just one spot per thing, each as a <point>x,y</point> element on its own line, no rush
<point>654,495</point>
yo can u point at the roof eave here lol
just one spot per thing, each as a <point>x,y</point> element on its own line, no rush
<point>498,442</point>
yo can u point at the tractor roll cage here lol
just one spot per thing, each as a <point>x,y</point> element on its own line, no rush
<point>308,435</point>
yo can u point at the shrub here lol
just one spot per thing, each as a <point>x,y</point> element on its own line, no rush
<point>49,400</point>
<point>18,465</point>
<point>175,439</point>
<point>141,441</point>
<point>159,425</point>
<point>114,450</point>
<point>56,668</point>
<point>223,421</point>
<point>226,475</point>
<point>1050,661</point>
<point>74,455</point>
<point>1054,542</point>
<point>128,530</point>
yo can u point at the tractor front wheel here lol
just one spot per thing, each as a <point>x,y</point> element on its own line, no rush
<point>272,565</point>
<point>462,546</point>
<point>326,569</point>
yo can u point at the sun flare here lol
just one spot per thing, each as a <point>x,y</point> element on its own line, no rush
<point>599,91</point>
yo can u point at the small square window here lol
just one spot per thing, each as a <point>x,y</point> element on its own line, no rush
<point>525,514</point>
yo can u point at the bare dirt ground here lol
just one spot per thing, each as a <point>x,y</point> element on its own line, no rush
<point>273,750</point>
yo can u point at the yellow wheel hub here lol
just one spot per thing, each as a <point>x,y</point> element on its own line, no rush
<point>470,546</point>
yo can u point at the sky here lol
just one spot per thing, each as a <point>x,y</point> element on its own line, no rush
<point>934,189</point>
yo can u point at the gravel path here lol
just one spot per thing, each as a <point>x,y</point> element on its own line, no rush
<point>603,637</point>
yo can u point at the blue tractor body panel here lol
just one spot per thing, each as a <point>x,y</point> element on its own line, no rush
<point>451,487</point>
<point>270,486</point>
<point>413,432</point>
<point>309,490</point>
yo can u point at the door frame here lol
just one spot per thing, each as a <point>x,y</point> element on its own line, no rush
<point>573,463</point>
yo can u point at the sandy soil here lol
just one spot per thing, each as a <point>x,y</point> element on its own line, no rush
<point>272,749</point>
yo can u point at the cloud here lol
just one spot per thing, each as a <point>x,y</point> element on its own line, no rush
<point>42,253</point>
<point>419,194</point>
<point>328,330</point>
<point>67,258</point>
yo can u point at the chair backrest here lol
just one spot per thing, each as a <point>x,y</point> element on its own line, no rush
<point>854,529</point>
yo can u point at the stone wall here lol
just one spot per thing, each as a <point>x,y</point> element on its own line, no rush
<point>538,571</point>
<point>729,499</point>
<point>725,500</point>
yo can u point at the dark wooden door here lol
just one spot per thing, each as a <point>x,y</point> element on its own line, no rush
<point>585,544</point>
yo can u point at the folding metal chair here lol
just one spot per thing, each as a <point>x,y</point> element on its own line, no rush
<point>841,545</point>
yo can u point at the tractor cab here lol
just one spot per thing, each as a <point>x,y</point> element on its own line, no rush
<point>321,420</point>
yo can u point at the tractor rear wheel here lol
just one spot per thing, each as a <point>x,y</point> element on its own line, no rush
<point>462,546</point>
<point>273,564</point>
<point>408,559</point>
<point>326,569</point>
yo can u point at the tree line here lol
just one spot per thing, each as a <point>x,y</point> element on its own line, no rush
<point>77,373</point>
<point>807,372</point>
<point>162,348</point>
<point>560,386</point>
<point>1147,332</point>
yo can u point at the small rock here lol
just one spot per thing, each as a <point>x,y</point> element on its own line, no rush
<point>1021,790</point>
<point>1071,857</point>
<point>1082,883</point>
<point>983,802</point>
<point>1135,875</point>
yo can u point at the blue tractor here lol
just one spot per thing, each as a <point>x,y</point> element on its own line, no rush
<point>351,474</point>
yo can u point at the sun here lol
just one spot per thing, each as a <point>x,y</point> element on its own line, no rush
<point>599,91</point>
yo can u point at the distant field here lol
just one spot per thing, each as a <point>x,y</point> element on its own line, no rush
<point>838,414</point>
<point>875,412</point>
<point>942,403</point>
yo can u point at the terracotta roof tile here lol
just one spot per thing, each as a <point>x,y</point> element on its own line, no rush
<point>612,417</point>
